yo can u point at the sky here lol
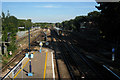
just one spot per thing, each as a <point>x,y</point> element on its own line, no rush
<point>48,11</point>
<point>60,0</point>
<point>48,0</point>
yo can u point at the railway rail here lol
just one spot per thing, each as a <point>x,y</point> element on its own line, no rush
<point>96,57</point>
<point>72,55</point>
<point>20,55</point>
<point>97,68</point>
<point>56,60</point>
<point>75,72</point>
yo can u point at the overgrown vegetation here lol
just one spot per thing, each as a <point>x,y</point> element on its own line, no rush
<point>9,30</point>
<point>107,20</point>
<point>89,21</point>
<point>42,25</point>
<point>24,23</point>
<point>10,25</point>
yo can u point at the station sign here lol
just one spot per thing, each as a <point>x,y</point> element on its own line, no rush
<point>17,69</point>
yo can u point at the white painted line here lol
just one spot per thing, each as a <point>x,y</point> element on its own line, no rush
<point>53,66</point>
<point>111,71</point>
<point>12,69</point>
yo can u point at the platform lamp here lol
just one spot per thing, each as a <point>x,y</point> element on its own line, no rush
<point>28,55</point>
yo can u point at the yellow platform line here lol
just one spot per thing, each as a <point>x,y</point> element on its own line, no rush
<point>45,67</point>
<point>22,68</point>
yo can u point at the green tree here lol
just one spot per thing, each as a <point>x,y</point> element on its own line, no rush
<point>9,30</point>
<point>28,23</point>
<point>78,20</point>
<point>109,19</point>
<point>94,18</point>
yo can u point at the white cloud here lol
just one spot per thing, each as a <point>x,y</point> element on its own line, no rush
<point>46,6</point>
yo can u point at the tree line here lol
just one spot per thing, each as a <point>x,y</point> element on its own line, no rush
<point>9,30</point>
<point>42,25</point>
<point>10,26</point>
<point>89,21</point>
<point>107,20</point>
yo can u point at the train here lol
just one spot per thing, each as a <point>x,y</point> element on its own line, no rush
<point>58,31</point>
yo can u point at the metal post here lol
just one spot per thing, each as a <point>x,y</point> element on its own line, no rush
<point>29,50</point>
<point>113,54</point>
<point>41,44</point>
<point>29,38</point>
<point>30,66</point>
<point>12,75</point>
<point>22,71</point>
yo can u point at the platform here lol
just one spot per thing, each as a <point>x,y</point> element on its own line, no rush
<point>42,66</point>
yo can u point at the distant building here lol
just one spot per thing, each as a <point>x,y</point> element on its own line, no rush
<point>21,27</point>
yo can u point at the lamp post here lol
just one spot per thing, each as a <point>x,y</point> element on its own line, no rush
<point>28,55</point>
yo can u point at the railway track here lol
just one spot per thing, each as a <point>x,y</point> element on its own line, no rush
<point>56,58</point>
<point>93,45</point>
<point>74,59</point>
<point>97,68</point>
<point>79,61</point>
<point>20,55</point>
<point>96,56</point>
<point>101,48</point>
<point>75,72</point>
<point>71,62</point>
